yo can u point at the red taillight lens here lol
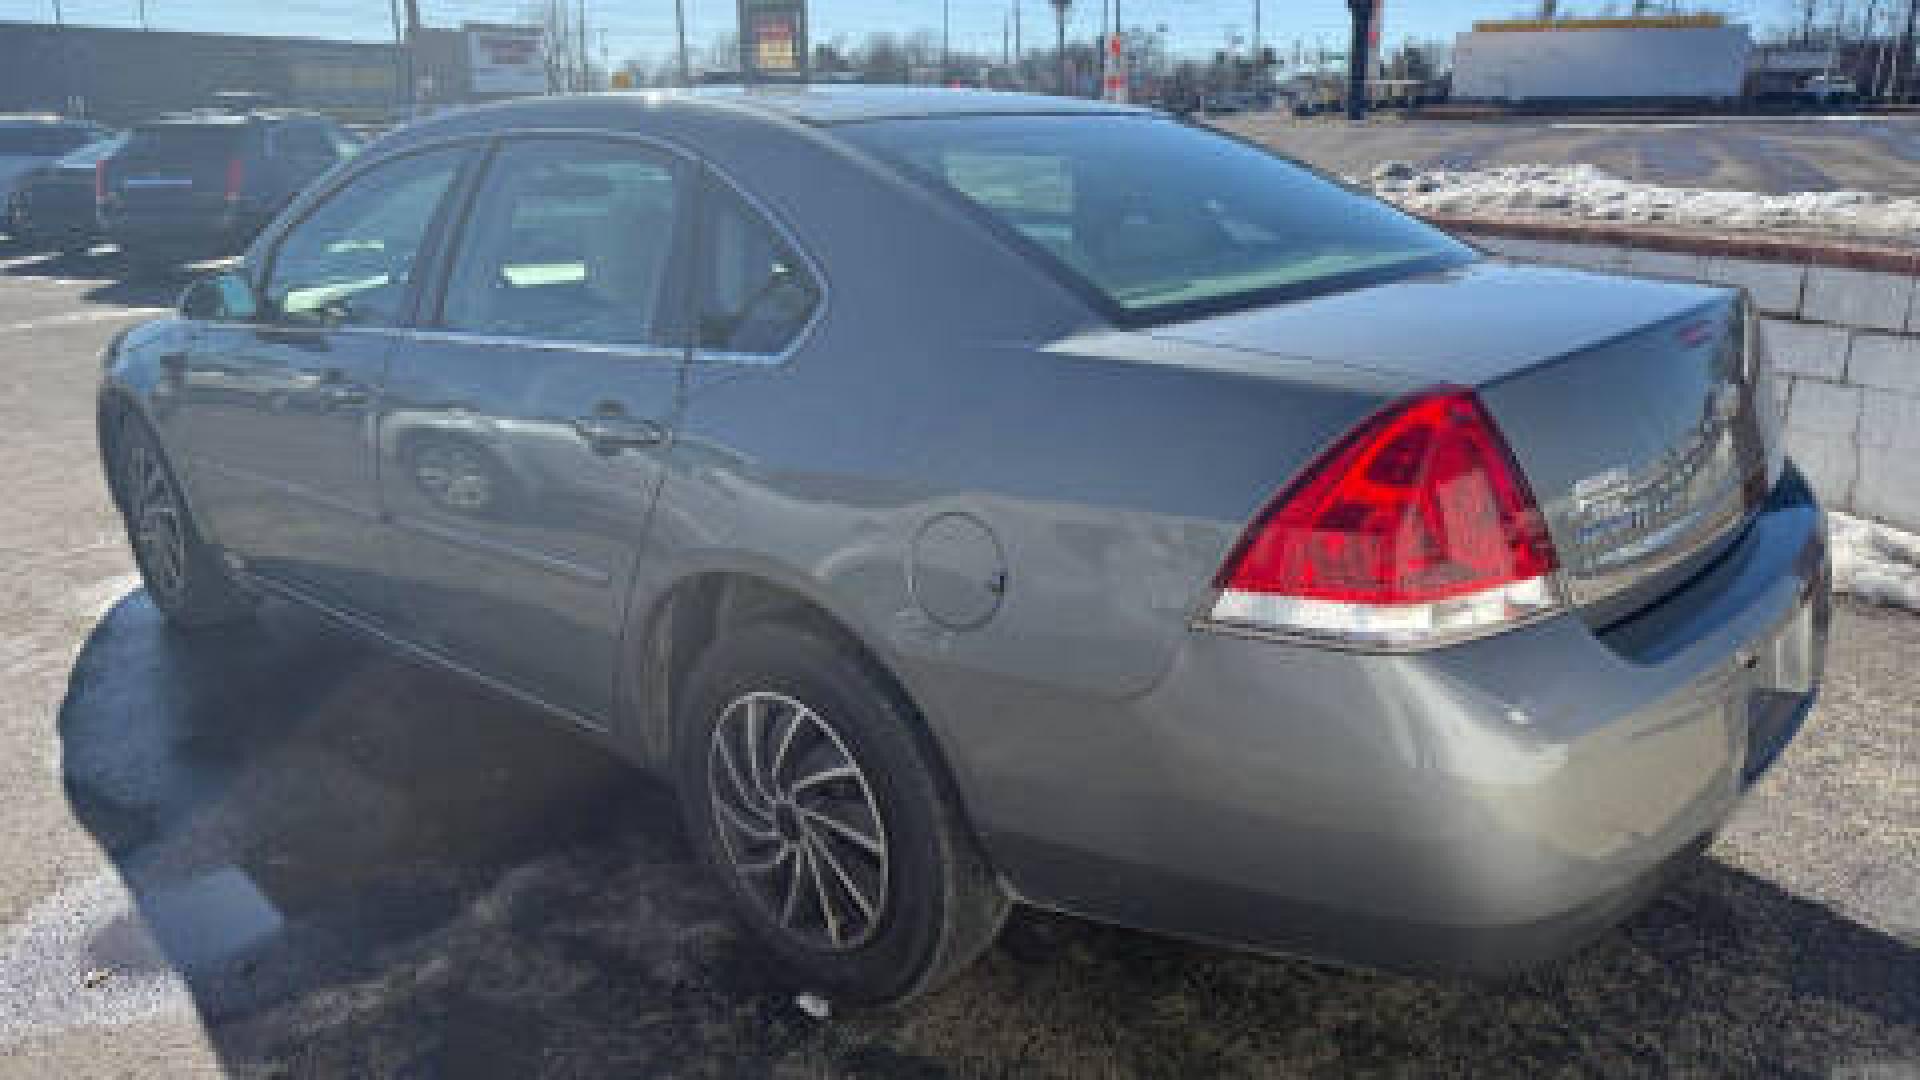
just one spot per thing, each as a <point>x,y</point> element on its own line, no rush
<point>1416,525</point>
<point>236,176</point>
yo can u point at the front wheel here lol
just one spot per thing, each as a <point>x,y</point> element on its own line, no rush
<point>808,792</point>
<point>183,574</point>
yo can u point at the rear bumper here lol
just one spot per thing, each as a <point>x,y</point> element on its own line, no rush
<point>1478,808</point>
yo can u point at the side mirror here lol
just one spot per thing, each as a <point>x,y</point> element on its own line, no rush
<point>223,297</point>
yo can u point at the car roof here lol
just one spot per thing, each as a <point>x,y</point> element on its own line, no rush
<point>19,121</point>
<point>828,104</point>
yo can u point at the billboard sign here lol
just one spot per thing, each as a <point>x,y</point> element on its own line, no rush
<point>773,38</point>
<point>505,59</point>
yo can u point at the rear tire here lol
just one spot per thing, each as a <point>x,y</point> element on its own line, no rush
<point>183,574</point>
<point>836,839</point>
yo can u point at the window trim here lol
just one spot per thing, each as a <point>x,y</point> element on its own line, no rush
<point>726,357</point>
<point>431,242</point>
<point>429,316</point>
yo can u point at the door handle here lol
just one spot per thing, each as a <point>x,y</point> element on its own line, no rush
<point>337,390</point>
<point>610,428</point>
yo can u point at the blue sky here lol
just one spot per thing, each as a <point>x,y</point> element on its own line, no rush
<point>645,27</point>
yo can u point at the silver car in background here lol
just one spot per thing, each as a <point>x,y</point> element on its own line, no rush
<point>972,499</point>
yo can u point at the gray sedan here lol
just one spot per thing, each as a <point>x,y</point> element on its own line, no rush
<point>973,499</point>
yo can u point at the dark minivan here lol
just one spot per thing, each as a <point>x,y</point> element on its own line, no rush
<point>203,184</point>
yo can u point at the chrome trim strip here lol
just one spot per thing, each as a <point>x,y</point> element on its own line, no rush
<point>673,354</point>
<point>432,657</point>
<point>553,564</point>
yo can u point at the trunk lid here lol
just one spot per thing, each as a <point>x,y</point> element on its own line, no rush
<point>1639,410</point>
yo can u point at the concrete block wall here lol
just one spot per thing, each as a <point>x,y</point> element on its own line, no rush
<point>1842,325</point>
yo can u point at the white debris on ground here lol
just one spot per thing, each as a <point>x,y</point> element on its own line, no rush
<point>814,1005</point>
<point>1590,193</point>
<point>1875,562</point>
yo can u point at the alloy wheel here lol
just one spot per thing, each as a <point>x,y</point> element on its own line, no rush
<point>159,526</point>
<point>798,821</point>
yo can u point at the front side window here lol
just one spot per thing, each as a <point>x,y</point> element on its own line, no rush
<point>755,295</point>
<point>570,240</point>
<point>1163,220</point>
<point>351,261</point>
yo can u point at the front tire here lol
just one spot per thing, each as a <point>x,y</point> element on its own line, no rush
<point>183,574</point>
<point>808,792</point>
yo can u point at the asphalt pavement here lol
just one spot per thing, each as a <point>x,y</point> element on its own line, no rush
<point>1777,156</point>
<point>271,851</point>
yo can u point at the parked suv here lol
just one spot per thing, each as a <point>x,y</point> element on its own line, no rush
<point>28,142</point>
<point>53,205</point>
<point>203,184</point>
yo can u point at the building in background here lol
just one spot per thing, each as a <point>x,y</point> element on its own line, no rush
<point>1693,59</point>
<point>120,76</point>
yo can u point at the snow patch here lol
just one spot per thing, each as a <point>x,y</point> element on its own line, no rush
<point>1877,563</point>
<point>1584,191</point>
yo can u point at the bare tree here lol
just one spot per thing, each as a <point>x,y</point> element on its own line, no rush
<point>723,53</point>
<point>881,58</point>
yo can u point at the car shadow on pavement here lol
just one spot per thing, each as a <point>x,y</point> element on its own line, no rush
<point>345,865</point>
<point>116,282</point>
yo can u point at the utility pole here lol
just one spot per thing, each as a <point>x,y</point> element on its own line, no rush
<point>144,24</point>
<point>946,39</point>
<point>1060,44</point>
<point>1357,53</point>
<point>680,31</point>
<point>586,62</point>
<point>59,17</point>
<point>410,48</point>
<point>1019,55</point>
<point>1259,70</point>
<point>1903,61</point>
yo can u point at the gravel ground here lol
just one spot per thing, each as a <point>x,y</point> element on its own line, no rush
<point>1770,156</point>
<point>271,852</point>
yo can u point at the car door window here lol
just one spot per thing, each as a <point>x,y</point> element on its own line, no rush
<point>755,294</point>
<point>351,261</point>
<point>570,240</point>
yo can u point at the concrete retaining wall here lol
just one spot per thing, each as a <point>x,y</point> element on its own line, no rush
<point>1842,325</point>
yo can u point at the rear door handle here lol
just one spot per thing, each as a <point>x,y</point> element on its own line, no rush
<point>610,428</point>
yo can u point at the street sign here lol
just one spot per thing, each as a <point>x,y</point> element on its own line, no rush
<point>505,59</point>
<point>773,38</point>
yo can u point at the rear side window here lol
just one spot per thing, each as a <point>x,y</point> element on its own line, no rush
<point>1162,220</point>
<point>570,240</point>
<point>755,294</point>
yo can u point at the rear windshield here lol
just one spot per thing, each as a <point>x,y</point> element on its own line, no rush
<point>185,142</point>
<point>1163,220</point>
<point>88,155</point>
<point>44,141</point>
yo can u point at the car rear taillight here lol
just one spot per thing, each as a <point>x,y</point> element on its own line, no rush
<point>100,181</point>
<point>236,176</point>
<point>1415,529</point>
